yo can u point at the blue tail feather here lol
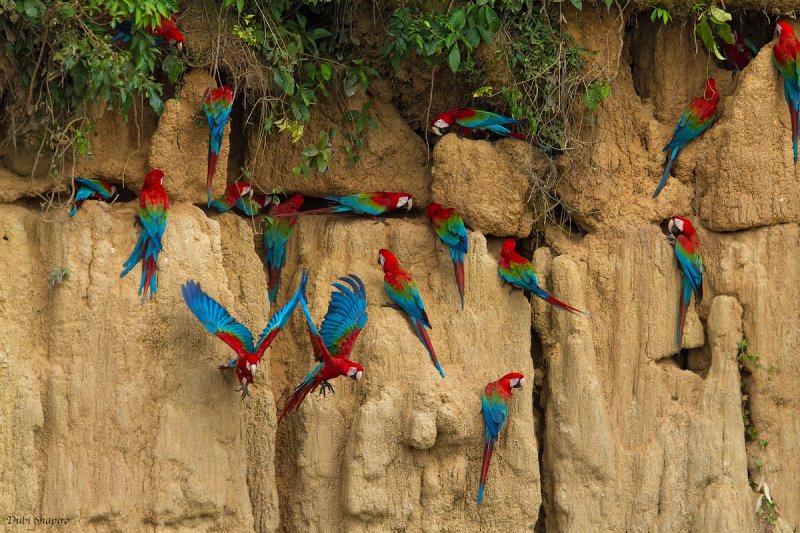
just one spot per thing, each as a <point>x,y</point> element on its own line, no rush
<point>672,157</point>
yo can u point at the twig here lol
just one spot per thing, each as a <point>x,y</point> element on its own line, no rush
<point>428,118</point>
<point>41,56</point>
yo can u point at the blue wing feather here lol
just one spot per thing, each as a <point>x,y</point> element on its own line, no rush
<point>214,317</point>
<point>346,316</point>
<point>280,318</point>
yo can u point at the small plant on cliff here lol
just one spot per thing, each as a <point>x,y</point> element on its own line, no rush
<point>57,275</point>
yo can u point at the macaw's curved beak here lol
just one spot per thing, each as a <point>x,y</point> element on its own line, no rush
<point>409,204</point>
<point>180,46</point>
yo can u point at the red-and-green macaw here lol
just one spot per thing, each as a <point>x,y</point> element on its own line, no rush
<point>472,119</point>
<point>518,271</point>
<point>167,30</point>
<point>371,204</point>
<point>233,192</point>
<point>87,189</point>
<point>449,226</point>
<point>687,250</point>
<point>153,212</point>
<point>495,406</point>
<point>740,52</point>
<point>784,54</point>
<point>697,118</point>
<point>218,321</point>
<point>346,317</point>
<point>217,106</point>
<point>278,227</point>
<point>405,296</point>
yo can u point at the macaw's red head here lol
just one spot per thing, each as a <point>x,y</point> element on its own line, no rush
<point>711,90</point>
<point>251,362</point>
<point>398,200</point>
<point>785,31</point>
<point>442,123</point>
<point>432,210</point>
<point>240,188</point>
<point>680,226</point>
<point>296,201</point>
<point>515,380</point>
<point>387,259</point>
<point>509,248</point>
<point>220,93</point>
<point>355,371</point>
<point>154,178</point>
<point>262,200</point>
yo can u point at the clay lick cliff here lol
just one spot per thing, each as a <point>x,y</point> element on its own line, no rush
<point>114,415</point>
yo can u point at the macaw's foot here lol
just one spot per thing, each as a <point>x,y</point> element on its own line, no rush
<point>243,390</point>
<point>671,239</point>
<point>382,221</point>
<point>392,305</point>
<point>325,385</point>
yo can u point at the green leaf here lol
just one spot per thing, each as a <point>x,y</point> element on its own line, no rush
<point>493,20</point>
<point>724,32</point>
<point>156,103</point>
<point>325,69</point>
<point>718,15</point>
<point>704,31</point>
<point>454,59</point>
<point>457,19</point>
<point>473,37</point>
<point>577,3</point>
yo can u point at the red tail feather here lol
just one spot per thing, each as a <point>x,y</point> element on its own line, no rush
<point>274,276</point>
<point>459,269</point>
<point>212,165</point>
<point>297,397</point>
<point>562,305</point>
<point>149,272</point>
<point>488,448</point>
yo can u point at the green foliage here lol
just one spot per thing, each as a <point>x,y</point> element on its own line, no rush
<point>438,36</point>
<point>358,121</point>
<point>766,509</point>
<point>712,21</point>
<point>303,60</point>
<point>545,65</point>
<point>66,59</point>
<point>316,156</point>
<point>662,14</point>
<point>596,92</point>
<point>57,275</point>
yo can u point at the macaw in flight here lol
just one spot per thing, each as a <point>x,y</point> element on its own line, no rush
<point>218,321</point>
<point>687,250</point>
<point>88,189</point>
<point>153,212</point>
<point>495,406</point>
<point>346,317</point>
